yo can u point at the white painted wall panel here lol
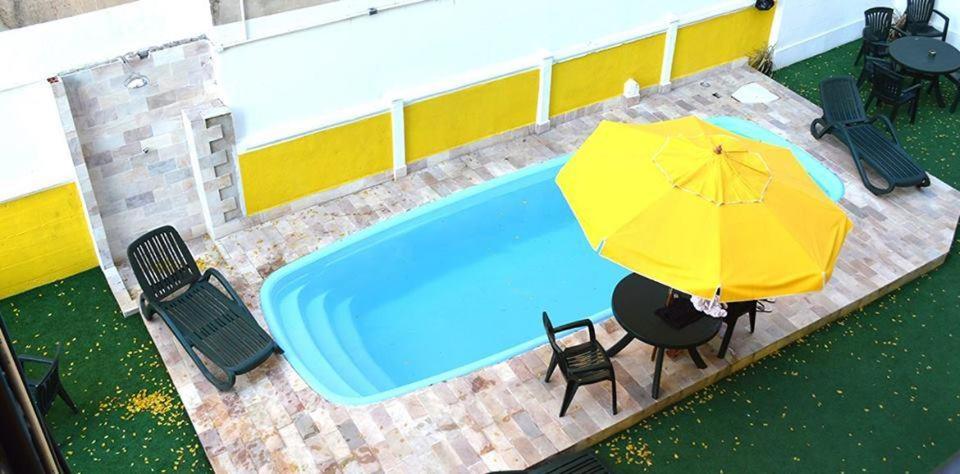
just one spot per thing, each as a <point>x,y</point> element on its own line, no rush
<point>811,27</point>
<point>293,83</point>
<point>34,153</point>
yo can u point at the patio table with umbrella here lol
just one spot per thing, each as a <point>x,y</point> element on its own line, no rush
<point>703,211</point>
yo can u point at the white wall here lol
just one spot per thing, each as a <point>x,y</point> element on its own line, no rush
<point>810,27</point>
<point>33,150</point>
<point>43,50</point>
<point>294,83</point>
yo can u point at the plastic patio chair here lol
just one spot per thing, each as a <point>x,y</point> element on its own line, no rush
<point>888,88</point>
<point>582,364</point>
<point>870,66</point>
<point>845,117</point>
<point>919,13</point>
<point>45,389</point>
<point>876,31</point>
<point>203,318</point>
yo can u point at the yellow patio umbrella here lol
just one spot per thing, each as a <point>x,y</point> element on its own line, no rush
<point>702,210</point>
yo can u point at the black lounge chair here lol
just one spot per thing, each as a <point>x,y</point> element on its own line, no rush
<point>201,316</point>
<point>919,14</point>
<point>877,23</point>
<point>582,364</point>
<point>845,118</point>
<point>45,389</point>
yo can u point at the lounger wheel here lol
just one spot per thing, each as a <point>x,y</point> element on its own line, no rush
<point>145,310</point>
<point>818,134</point>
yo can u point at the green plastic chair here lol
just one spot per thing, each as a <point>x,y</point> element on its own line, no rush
<point>203,318</point>
<point>45,389</point>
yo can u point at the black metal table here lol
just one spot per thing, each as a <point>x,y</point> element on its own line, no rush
<point>634,301</point>
<point>928,58</point>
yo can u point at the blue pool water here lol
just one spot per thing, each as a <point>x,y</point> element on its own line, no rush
<point>439,291</point>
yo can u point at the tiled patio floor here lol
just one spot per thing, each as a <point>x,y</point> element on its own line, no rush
<point>504,416</point>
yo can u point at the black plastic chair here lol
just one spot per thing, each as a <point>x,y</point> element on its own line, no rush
<point>844,117</point>
<point>201,316</point>
<point>888,88</point>
<point>919,13</point>
<point>870,66</point>
<point>582,364</point>
<point>45,389</point>
<point>876,32</point>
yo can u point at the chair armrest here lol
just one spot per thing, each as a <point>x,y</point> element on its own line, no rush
<point>889,125</point>
<point>213,272</point>
<point>946,20</point>
<point>914,87</point>
<point>38,360</point>
<point>578,324</point>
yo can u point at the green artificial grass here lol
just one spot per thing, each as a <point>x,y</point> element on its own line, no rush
<point>131,419</point>
<point>875,391</point>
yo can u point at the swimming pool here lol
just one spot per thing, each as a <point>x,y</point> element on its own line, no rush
<point>439,291</point>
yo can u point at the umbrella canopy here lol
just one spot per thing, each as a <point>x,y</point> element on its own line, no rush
<point>698,209</point>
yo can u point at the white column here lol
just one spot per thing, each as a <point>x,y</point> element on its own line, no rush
<point>669,48</point>
<point>399,142</point>
<point>775,30</point>
<point>543,97</point>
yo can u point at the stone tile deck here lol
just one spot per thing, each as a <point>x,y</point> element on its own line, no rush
<point>504,416</point>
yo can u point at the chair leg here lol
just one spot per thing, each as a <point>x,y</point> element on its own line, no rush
<point>913,109</point>
<point>869,101</point>
<point>753,319</point>
<point>568,397</point>
<point>66,397</point>
<point>956,101</point>
<point>727,335</point>
<point>551,368</point>
<point>893,115</point>
<point>859,54</point>
<point>613,391</point>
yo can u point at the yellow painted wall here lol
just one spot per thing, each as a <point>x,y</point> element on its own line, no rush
<point>43,237</point>
<point>283,172</point>
<point>599,76</point>
<point>451,120</point>
<point>720,40</point>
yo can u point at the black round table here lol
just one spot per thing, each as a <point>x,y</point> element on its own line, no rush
<point>926,57</point>
<point>634,301</point>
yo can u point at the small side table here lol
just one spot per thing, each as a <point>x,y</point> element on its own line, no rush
<point>634,301</point>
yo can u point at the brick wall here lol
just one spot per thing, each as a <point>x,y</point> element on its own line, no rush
<point>134,143</point>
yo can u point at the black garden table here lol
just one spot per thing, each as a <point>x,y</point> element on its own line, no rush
<point>634,301</point>
<point>926,58</point>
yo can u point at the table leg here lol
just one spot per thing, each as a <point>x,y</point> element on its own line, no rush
<point>938,93</point>
<point>696,358</point>
<point>656,373</point>
<point>619,345</point>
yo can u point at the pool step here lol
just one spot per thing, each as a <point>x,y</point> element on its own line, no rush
<point>353,345</point>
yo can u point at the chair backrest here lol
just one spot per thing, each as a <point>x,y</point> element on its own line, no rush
<point>878,21</point>
<point>919,11</point>
<point>841,101</point>
<point>887,84</point>
<point>552,337</point>
<point>162,263</point>
<point>45,390</point>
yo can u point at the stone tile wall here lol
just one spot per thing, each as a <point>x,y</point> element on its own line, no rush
<point>212,147</point>
<point>133,142</point>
